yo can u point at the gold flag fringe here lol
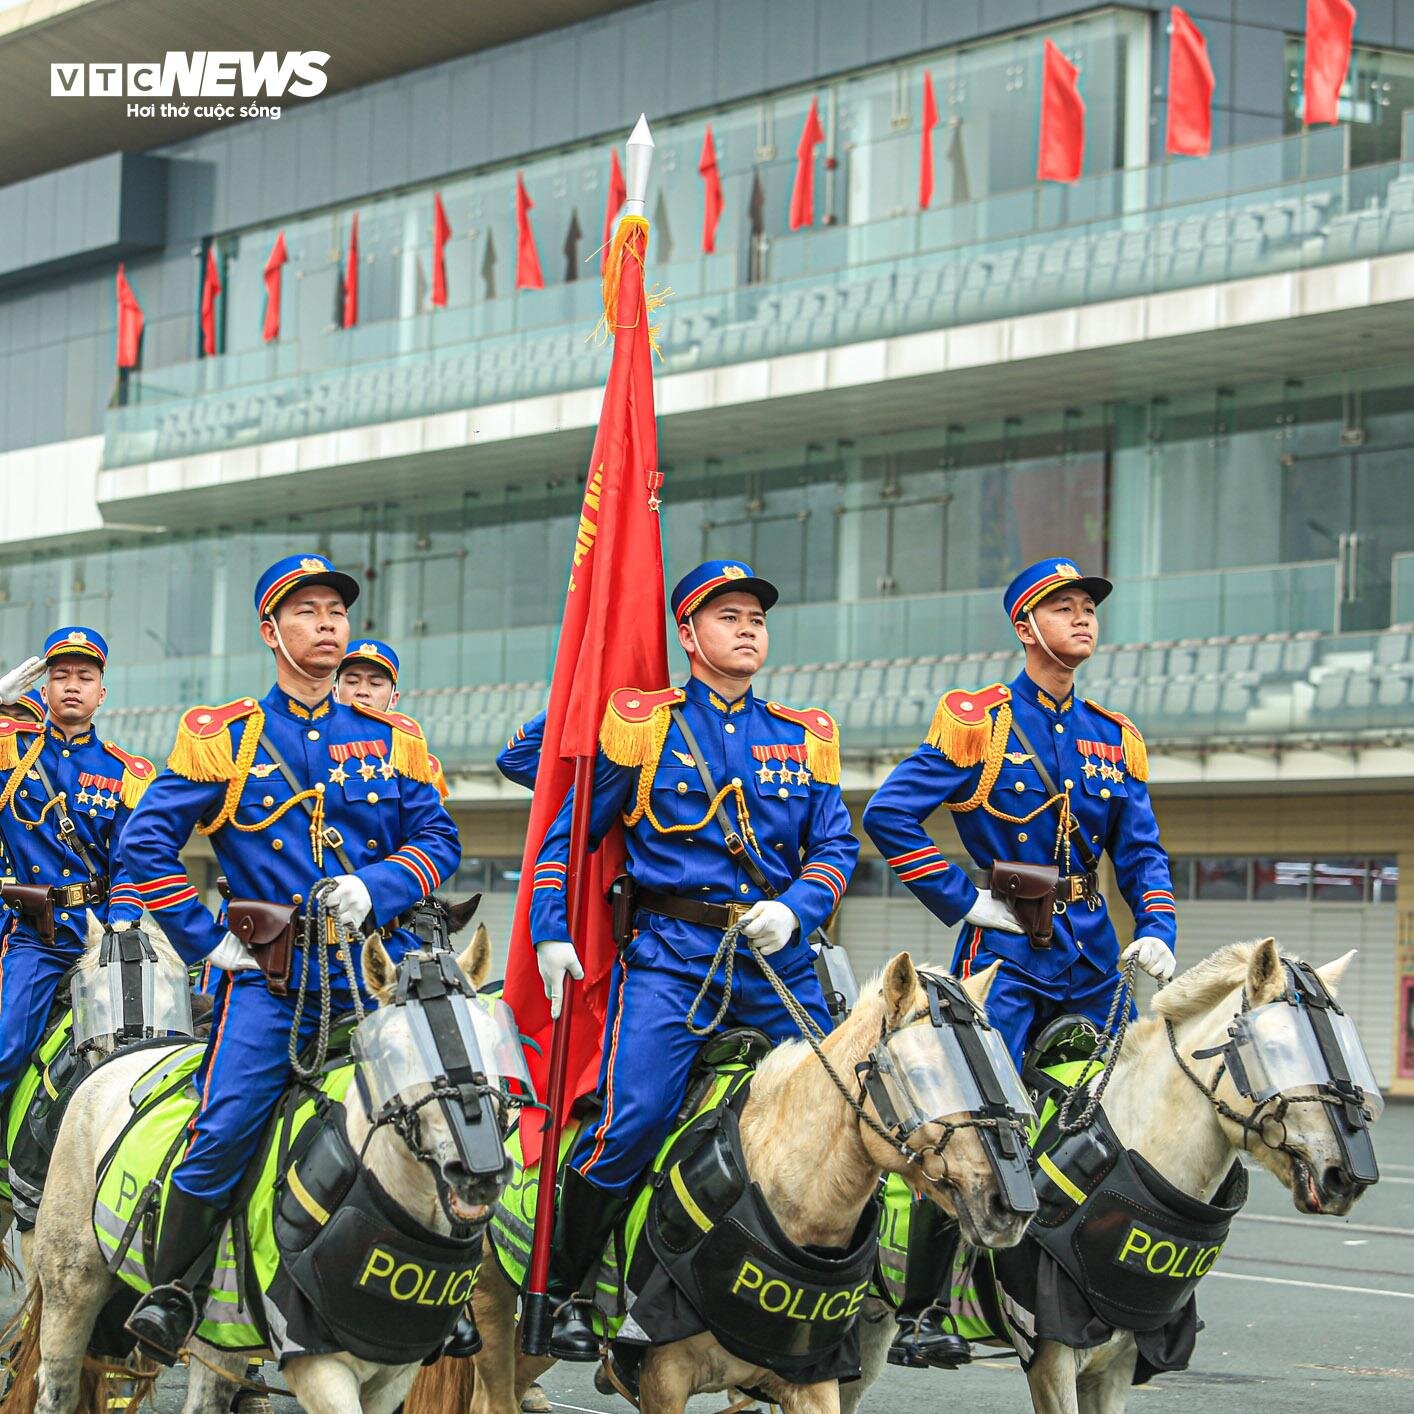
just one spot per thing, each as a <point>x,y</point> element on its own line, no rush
<point>622,248</point>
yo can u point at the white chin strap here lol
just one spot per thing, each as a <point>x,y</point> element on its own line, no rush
<point>692,629</point>
<point>1046,647</point>
<point>285,654</point>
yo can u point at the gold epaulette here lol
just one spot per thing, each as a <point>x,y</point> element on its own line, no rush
<point>138,774</point>
<point>822,740</point>
<point>439,777</point>
<point>635,724</point>
<point>1136,754</point>
<point>410,756</point>
<point>202,750</point>
<point>963,722</point>
<point>10,729</point>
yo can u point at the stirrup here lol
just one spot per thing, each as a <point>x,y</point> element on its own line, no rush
<point>157,1307</point>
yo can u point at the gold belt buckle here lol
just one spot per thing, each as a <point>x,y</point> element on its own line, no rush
<point>736,912</point>
<point>70,895</point>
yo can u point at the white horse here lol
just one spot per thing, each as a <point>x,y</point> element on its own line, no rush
<point>73,1282</point>
<point>1160,1113</point>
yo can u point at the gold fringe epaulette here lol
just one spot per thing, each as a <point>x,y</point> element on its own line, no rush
<point>1136,754</point>
<point>202,750</point>
<point>439,777</point>
<point>10,729</point>
<point>409,754</point>
<point>635,724</point>
<point>822,740</point>
<point>962,723</point>
<point>138,774</point>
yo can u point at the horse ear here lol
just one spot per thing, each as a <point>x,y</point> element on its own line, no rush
<point>1264,979</point>
<point>1332,972</point>
<point>900,988</point>
<point>460,914</point>
<point>379,974</point>
<point>475,961</point>
<point>980,983</point>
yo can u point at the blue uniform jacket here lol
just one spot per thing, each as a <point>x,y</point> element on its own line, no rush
<point>974,764</point>
<point>519,759</point>
<point>378,793</point>
<point>782,764</point>
<point>100,783</point>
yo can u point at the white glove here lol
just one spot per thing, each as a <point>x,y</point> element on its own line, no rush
<point>554,960</point>
<point>18,681</point>
<point>1155,957</point>
<point>990,912</point>
<point>770,925</point>
<point>349,901</point>
<point>232,955</point>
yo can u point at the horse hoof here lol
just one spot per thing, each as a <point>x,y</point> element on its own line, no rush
<point>536,1401</point>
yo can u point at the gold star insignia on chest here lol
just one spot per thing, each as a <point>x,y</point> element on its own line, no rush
<point>765,775</point>
<point>82,798</point>
<point>368,770</point>
<point>338,775</point>
<point>1091,769</point>
<point>386,770</point>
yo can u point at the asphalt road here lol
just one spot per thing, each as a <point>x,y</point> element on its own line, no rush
<point>1303,1314</point>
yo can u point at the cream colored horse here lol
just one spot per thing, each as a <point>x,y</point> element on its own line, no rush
<point>1159,1112</point>
<point>74,1283</point>
<point>817,1167</point>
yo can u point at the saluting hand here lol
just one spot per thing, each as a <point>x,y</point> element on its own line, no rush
<point>18,681</point>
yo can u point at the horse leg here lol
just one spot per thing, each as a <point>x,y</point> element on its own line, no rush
<point>1106,1391</point>
<point>497,1366</point>
<point>1052,1379</point>
<point>210,1391</point>
<point>876,1332</point>
<point>387,1390</point>
<point>822,1398</point>
<point>667,1379</point>
<point>323,1384</point>
<point>72,1291</point>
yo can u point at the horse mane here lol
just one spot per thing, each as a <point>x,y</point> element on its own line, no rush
<point>1205,984</point>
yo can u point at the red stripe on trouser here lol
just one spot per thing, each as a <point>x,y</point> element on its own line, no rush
<point>211,1062</point>
<point>971,953</point>
<point>603,1131</point>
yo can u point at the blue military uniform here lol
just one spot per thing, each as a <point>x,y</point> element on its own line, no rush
<point>519,759</point>
<point>96,784</point>
<point>368,779</point>
<point>974,764</point>
<point>778,770</point>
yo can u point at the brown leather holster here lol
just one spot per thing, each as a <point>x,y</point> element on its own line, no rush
<point>1030,892</point>
<point>36,905</point>
<point>268,930</point>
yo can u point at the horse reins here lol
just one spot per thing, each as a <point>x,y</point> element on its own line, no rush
<point>1119,1011</point>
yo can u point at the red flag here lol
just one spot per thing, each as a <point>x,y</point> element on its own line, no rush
<point>441,234</point>
<point>1190,118</point>
<point>210,288</point>
<point>277,257</point>
<point>1062,145</point>
<point>528,276</point>
<point>711,192</point>
<point>618,194</point>
<point>350,312</point>
<point>1329,25</point>
<point>129,322</point>
<point>925,165</point>
<point>612,635</point>
<point>802,193</point>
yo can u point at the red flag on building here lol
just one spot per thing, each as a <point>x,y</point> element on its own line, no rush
<point>210,288</point>
<point>441,234</point>
<point>528,276</point>
<point>1062,145</point>
<point>925,164</point>
<point>273,280</point>
<point>802,192</point>
<point>612,635</point>
<point>1190,117</point>
<point>349,316</point>
<point>129,322</point>
<point>1329,26</point>
<point>613,204</point>
<point>711,192</point>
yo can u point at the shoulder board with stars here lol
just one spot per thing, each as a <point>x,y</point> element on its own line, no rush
<point>138,773</point>
<point>635,724</point>
<point>11,728</point>
<point>822,739</point>
<point>202,751</point>
<point>410,756</point>
<point>962,723</point>
<point>1136,754</point>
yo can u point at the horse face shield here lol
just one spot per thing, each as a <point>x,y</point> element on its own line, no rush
<point>129,995</point>
<point>437,1042</point>
<point>949,1062</point>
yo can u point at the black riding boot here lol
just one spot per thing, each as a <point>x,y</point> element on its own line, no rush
<point>462,1344</point>
<point>165,1318</point>
<point>924,1337</point>
<point>584,1219</point>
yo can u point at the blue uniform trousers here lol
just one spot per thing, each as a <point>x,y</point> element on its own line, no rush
<point>245,1071</point>
<point>1020,1005</point>
<point>648,1050</point>
<point>33,971</point>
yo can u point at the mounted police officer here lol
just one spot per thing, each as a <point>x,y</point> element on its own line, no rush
<point>1040,782</point>
<point>67,796</point>
<point>291,790</point>
<point>733,814</point>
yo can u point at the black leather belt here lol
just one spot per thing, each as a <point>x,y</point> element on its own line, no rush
<point>692,910</point>
<point>77,895</point>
